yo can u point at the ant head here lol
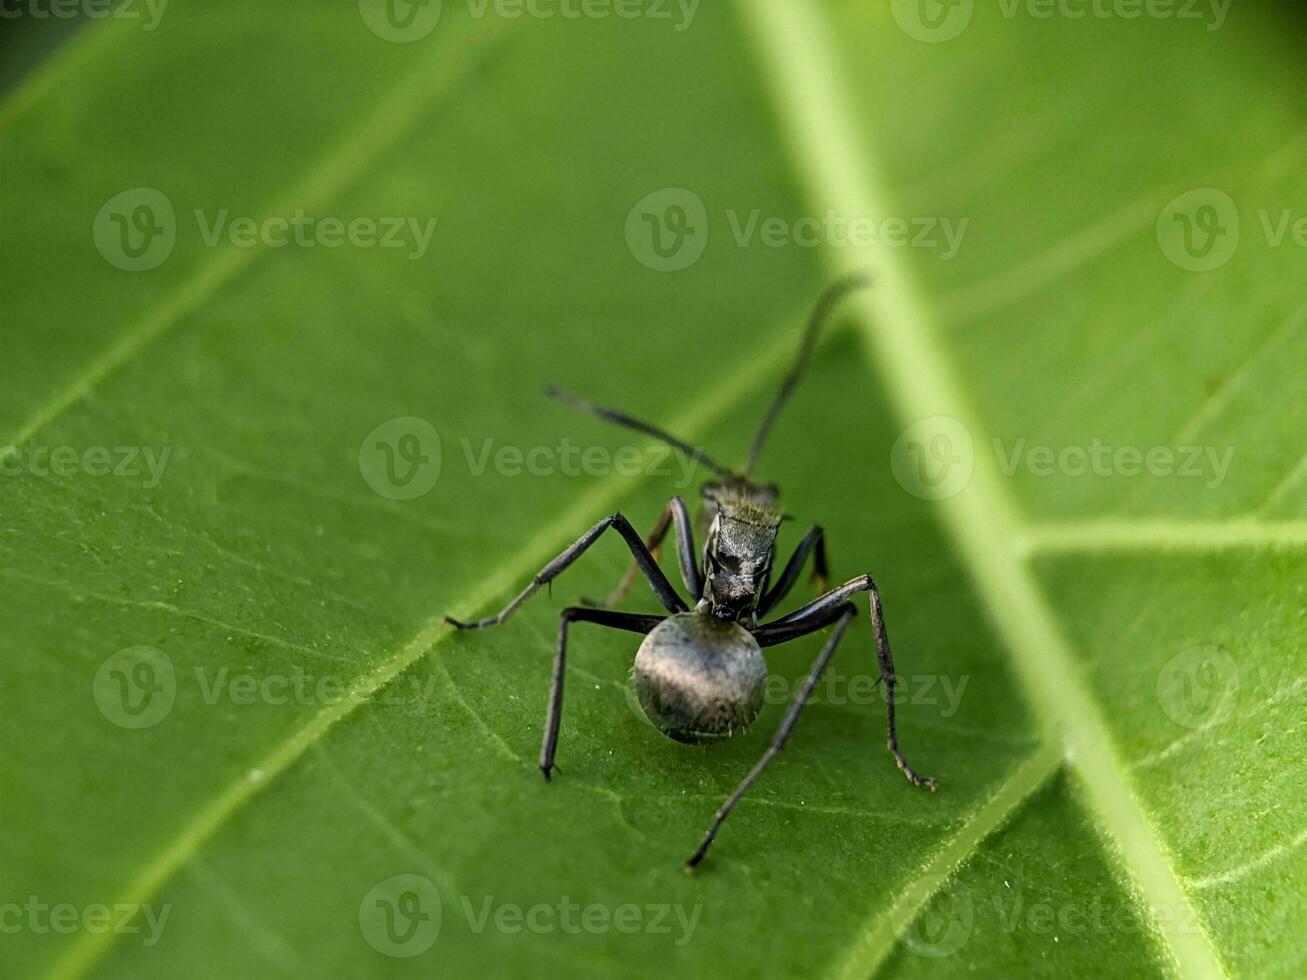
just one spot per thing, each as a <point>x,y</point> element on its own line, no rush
<point>738,556</point>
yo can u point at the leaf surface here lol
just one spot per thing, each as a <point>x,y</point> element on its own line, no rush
<point>1110,802</point>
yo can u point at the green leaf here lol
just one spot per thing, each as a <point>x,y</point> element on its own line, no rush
<point>1100,655</point>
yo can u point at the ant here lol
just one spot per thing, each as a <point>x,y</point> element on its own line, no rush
<point>699,674</point>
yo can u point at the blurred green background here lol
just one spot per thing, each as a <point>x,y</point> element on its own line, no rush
<point>282,286</point>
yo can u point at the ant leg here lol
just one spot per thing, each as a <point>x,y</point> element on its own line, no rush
<point>662,588</point>
<point>814,543</point>
<point>782,734</point>
<point>817,614</point>
<point>675,510</point>
<point>631,622</point>
<point>654,542</point>
<point>826,304</point>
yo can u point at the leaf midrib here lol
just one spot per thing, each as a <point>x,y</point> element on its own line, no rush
<point>797,56</point>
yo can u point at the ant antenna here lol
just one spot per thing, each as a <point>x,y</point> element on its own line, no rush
<point>621,418</point>
<point>831,296</point>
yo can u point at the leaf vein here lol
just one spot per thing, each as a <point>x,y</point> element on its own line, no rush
<point>811,97</point>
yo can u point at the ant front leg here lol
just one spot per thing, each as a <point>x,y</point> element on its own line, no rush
<point>819,613</point>
<point>657,580</point>
<point>631,622</point>
<point>675,510</point>
<point>845,616</point>
<point>814,543</point>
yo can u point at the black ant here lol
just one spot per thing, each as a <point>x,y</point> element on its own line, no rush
<point>699,673</point>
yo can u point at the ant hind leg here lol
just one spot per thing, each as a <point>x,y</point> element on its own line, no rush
<point>782,734</point>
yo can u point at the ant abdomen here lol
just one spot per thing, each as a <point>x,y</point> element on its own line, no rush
<point>699,678</point>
